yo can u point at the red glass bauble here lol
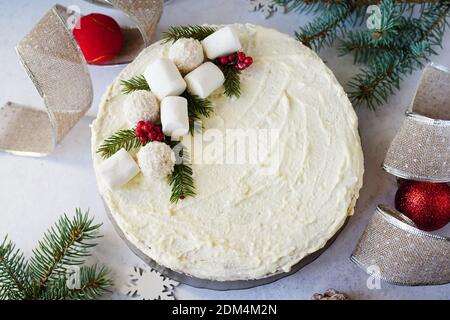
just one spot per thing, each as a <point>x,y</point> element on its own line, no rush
<point>425,203</point>
<point>99,37</point>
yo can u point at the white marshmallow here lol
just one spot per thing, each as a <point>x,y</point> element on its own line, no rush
<point>164,79</point>
<point>118,170</point>
<point>174,116</point>
<point>205,80</point>
<point>222,42</point>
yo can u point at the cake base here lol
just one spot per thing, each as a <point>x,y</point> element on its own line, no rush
<point>211,284</point>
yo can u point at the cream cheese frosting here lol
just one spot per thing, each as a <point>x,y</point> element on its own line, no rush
<point>248,220</point>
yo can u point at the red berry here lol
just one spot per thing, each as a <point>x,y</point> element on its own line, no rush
<point>241,56</point>
<point>157,129</point>
<point>224,61</point>
<point>146,128</point>
<point>248,61</point>
<point>138,132</point>
<point>143,139</point>
<point>232,57</point>
<point>160,137</point>
<point>140,124</point>
<point>241,66</point>
<point>152,136</point>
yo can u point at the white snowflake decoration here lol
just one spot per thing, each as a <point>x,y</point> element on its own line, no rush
<point>146,283</point>
<point>266,7</point>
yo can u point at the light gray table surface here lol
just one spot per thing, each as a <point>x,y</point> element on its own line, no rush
<point>35,191</point>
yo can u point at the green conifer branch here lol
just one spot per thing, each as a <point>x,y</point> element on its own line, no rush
<point>181,179</point>
<point>67,243</point>
<point>194,31</point>
<point>381,77</point>
<point>14,279</point>
<point>94,282</point>
<point>123,139</point>
<point>232,84</point>
<point>324,29</point>
<point>136,83</point>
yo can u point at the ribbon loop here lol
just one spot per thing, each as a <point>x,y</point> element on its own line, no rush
<point>58,69</point>
<point>403,254</point>
<point>421,149</point>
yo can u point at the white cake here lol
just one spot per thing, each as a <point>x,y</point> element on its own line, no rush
<point>248,220</point>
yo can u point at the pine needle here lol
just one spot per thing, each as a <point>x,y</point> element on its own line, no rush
<point>193,31</point>
<point>13,273</point>
<point>124,139</point>
<point>136,83</point>
<point>232,83</point>
<point>67,243</point>
<point>197,108</point>
<point>181,179</point>
<point>94,282</point>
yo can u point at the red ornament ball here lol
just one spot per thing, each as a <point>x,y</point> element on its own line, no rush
<point>99,37</point>
<point>425,203</point>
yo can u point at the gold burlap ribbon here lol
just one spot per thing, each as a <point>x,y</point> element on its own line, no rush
<point>392,244</point>
<point>55,64</point>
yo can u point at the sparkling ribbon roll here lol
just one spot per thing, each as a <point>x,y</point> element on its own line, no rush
<point>54,62</point>
<point>421,149</point>
<point>401,254</point>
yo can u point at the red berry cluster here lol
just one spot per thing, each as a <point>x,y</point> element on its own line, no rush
<point>147,131</point>
<point>238,60</point>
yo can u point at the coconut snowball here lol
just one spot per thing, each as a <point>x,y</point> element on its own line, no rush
<point>156,160</point>
<point>141,105</point>
<point>187,54</point>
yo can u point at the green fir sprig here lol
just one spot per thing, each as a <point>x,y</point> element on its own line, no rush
<point>123,139</point>
<point>136,83</point>
<point>44,276</point>
<point>193,31</point>
<point>232,84</point>
<point>181,180</point>
<point>197,108</point>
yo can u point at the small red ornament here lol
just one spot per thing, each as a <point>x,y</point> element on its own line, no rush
<point>425,203</point>
<point>99,37</point>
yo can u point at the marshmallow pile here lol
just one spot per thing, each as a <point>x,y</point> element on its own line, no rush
<point>186,58</point>
<point>168,78</point>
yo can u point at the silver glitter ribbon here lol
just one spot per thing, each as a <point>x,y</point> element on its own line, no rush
<point>55,64</point>
<point>421,149</point>
<point>392,248</point>
<point>401,254</point>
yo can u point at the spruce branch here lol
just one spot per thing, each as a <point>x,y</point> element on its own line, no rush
<point>193,31</point>
<point>232,82</point>
<point>14,278</point>
<point>324,29</point>
<point>136,83</point>
<point>382,76</point>
<point>181,179</point>
<point>94,282</point>
<point>123,139</point>
<point>197,108</point>
<point>65,244</point>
